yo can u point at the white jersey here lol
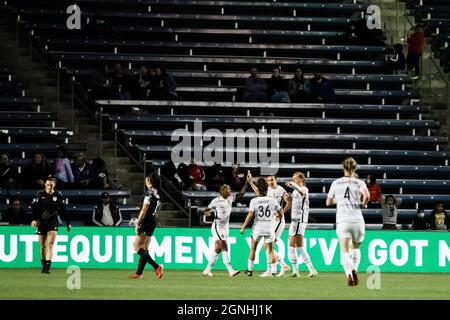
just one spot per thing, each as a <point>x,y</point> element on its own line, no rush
<point>277,193</point>
<point>347,192</point>
<point>300,205</point>
<point>264,209</point>
<point>222,208</point>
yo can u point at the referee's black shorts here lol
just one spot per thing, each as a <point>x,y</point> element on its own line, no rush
<point>45,226</point>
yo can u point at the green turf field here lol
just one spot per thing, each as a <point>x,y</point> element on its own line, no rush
<point>114,284</point>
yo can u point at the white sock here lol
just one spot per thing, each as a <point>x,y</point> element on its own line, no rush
<point>305,257</point>
<point>279,260</point>
<point>273,268</point>
<point>346,263</point>
<point>356,259</point>
<point>268,262</point>
<point>250,264</point>
<point>226,260</point>
<point>293,258</point>
<point>212,261</point>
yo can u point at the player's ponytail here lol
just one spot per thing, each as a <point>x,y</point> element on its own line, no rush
<point>156,181</point>
<point>350,165</point>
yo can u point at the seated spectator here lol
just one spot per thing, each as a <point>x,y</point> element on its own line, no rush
<point>146,83</point>
<point>420,221</point>
<point>169,171</point>
<point>396,61</point>
<point>106,214</point>
<point>438,218</point>
<point>299,89</point>
<point>16,214</point>
<point>216,177</point>
<point>416,43</point>
<point>166,85</point>
<point>120,84</point>
<point>390,205</point>
<point>183,174</point>
<point>322,89</point>
<point>235,178</point>
<point>37,172</point>
<point>255,88</point>
<point>8,175</point>
<point>99,84</point>
<point>277,88</point>
<point>102,178</point>
<point>197,176</point>
<point>83,175</point>
<point>62,168</point>
<point>374,190</point>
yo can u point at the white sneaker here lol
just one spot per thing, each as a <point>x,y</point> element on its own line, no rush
<point>295,275</point>
<point>207,273</point>
<point>313,274</point>
<point>266,275</point>
<point>234,273</point>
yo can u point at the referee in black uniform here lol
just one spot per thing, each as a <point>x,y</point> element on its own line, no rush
<point>47,207</point>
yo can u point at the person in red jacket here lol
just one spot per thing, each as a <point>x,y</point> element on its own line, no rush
<point>374,190</point>
<point>415,50</point>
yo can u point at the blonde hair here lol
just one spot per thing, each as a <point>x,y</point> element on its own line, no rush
<point>301,176</point>
<point>350,165</point>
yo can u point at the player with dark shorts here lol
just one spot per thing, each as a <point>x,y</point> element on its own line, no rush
<point>47,207</point>
<point>145,226</point>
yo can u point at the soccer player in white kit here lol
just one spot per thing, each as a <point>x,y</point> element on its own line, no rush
<point>221,206</point>
<point>278,193</point>
<point>350,195</point>
<point>264,209</point>
<point>299,222</point>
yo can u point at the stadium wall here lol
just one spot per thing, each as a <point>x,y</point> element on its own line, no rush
<point>189,248</point>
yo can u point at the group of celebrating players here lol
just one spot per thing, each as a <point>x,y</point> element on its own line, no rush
<point>267,210</point>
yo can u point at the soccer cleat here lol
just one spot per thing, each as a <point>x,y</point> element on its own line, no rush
<point>249,273</point>
<point>295,275</point>
<point>355,277</point>
<point>159,271</point>
<point>136,276</point>
<point>207,273</point>
<point>266,275</point>
<point>283,270</point>
<point>313,274</point>
<point>350,280</point>
<point>234,273</point>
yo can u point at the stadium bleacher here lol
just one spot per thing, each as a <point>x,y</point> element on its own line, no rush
<point>377,118</point>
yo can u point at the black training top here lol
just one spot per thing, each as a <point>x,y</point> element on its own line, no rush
<point>47,207</point>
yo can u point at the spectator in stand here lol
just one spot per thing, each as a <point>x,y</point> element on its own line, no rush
<point>37,172</point>
<point>197,176</point>
<point>120,84</point>
<point>216,177</point>
<point>83,174</point>
<point>420,221</point>
<point>322,89</point>
<point>147,79</point>
<point>183,174</point>
<point>255,88</point>
<point>299,89</point>
<point>438,218</point>
<point>102,179</point>
<point>106,214</point>
<point>62,168</point>
<point>167,85</point>
<point>277,87</point>
<point>16,214</point>
<point>415,49</point>
<point>8,175</point>
<point>396,61</point>
<point>235,178</point>
<point>99,85</point>
<point>375,191</point>
<point>390,205</point>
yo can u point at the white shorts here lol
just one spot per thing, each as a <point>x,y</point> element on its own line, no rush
<point>268,237</point>
<point>351,230</point>
<point>219,233</point>
<point>279,228</point>
<point>297,228</point>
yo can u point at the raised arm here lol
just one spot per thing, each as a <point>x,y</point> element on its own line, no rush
<point>241,194</point>
<point>293,185</point>
<point>250,181</point>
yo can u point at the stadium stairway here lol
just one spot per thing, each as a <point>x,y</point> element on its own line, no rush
<point>42,83</point>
